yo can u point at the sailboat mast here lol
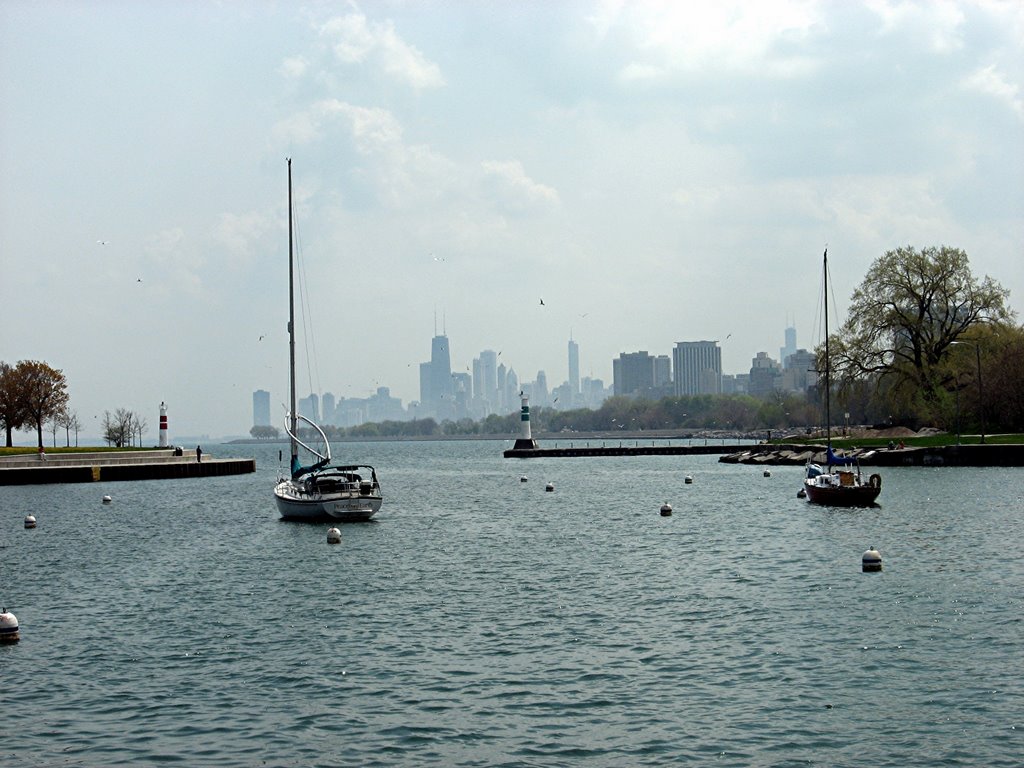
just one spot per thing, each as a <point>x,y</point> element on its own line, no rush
<point>828,381</point>
<point>293,419</point>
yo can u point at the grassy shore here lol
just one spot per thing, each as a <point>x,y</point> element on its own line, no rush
<point>31,450</point>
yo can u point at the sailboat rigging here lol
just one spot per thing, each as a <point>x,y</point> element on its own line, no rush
<point>322,491</point>
<point>840,482</point>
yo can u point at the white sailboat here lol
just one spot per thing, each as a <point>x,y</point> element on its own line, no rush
<point>322,491</point>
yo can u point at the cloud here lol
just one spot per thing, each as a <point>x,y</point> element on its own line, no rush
<point>355,40</point>
<point>671,37</point>
<point>939,23</point>
<point>990,81</point>
<point>507,184</point>
<point>241,235</point>
<point>372,128</point>
<point>294,67</point>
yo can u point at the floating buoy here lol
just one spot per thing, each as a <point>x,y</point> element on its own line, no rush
<point>666,510</point>
<point>522,479</point>
<point>767,473</point>
<point>688,479</point>
<point>8,627</point>
<point>802,493</point>
<point>334,536</point>
<point>871,561</point>
<point>30,521</point>
<point>549,487</point>
<point>107,499</point>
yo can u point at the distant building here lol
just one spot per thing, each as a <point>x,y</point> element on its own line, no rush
<point>310,407</point>
<point>633,373</point>
<point>790,348</point>
<point>574,370</point>
<point>698,368</point>
<point>765,375</point>
<point>436,390</point>
<point>327,405</point>
<point>261,408</point>
<point>799,374</point>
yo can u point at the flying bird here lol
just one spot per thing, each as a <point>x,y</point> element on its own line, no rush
<point>139,280</point>
<point>542,303</point>
<point>262,337</point>
<point>102,242</point>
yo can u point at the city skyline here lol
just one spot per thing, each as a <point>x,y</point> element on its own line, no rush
<point>627,175</point>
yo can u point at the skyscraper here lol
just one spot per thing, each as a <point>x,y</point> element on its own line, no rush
<point>574,368</point>
<point>790,347</point>
<point>698,368</point>
<point>261,408</point>
<point>436,392</point>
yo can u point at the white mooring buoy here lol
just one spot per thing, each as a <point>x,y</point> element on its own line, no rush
<point>666,510</point>
<point>767,473</point>
<point>8,627</point>
<point>871,561</point>
<point>549,487</point>
<point>688,479</point>
<point>30,521</point>
<point>334,536</point>
<point>522,479</point>
<point>107,499</point>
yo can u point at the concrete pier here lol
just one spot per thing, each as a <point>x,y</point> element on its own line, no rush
<point>91,467</point>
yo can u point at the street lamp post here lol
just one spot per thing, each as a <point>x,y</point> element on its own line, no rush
<point>981,391</point>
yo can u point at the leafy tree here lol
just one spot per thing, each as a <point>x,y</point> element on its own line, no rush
<point>44,393</point>
<point>905,314</point>
<point>12,405</point>
<point>265,433</point>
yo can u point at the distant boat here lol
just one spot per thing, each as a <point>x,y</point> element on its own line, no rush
<point>840,482</point>
<point>321,491</point>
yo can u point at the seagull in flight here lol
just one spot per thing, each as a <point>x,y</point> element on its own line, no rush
<point>542,303</point>
<point>101,242</point>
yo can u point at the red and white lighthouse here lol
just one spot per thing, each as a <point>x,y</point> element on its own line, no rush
<point>163,425</point>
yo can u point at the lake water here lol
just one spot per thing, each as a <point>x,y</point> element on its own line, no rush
<point>481,621</point>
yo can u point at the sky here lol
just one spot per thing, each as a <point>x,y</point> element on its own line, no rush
<point>654,171</point>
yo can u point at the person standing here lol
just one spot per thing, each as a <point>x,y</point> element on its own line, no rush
<point>199,453</point>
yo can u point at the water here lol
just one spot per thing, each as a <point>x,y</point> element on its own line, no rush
<point>483,621</point>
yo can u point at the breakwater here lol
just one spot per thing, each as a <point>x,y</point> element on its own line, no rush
<point>618,450</point>
<point>782,454</point>
<point>28,469</point>
<point>933,456</point>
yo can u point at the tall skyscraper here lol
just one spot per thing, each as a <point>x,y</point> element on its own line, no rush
<point>790,347</point>
<point>261,408</point>
<point>574,368</point>
<point>436,391</point>
<point>698,368</point>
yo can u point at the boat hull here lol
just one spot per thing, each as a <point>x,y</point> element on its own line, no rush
<point>317,508</point>
<point>821,491</point>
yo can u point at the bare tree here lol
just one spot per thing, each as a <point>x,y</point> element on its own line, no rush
<point>69,421</point>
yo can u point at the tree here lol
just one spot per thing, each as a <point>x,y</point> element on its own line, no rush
<point>265,433</point>
<point>44,390</point>
<point>12,405</point>
<point>69,421</point>
<point>904,315</point>
<point>118,428</point>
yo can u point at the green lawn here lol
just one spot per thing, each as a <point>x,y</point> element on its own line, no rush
<point>929,441</point>
<point>20,450</point>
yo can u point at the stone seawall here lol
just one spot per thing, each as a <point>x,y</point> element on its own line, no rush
<point>115,466</point>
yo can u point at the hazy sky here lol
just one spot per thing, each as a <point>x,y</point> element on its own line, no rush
<point>655,171</point>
